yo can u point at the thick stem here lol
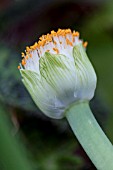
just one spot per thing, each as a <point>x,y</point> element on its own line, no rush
<point>90,135</point>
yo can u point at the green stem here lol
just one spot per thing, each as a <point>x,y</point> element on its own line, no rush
<point>90,135</point>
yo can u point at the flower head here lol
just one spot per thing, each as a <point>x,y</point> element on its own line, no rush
<point>57,72</point>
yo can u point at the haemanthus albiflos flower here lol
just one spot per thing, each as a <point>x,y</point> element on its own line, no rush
<point>57,72</point>
<point>61,80</point>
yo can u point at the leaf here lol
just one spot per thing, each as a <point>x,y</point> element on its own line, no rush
<point>12,91</point>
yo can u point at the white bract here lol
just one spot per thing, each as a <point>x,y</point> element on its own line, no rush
<point>57,72</point>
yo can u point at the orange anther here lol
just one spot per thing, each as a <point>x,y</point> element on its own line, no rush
<point>59,31</point>
<point>23,62</point>
<point>77,34</point>
<point>30,55</point>
<point>55,42</point>
<point>41,38</point>
<point>62,34</point>
<point>85,44</point>
<point>68,31</point>
<point>19,67</point>
<point>27,49</point>
<point>22,54</point>
<point>69,42</point>
<point>26,57</point>
<point>73,39</point>
<point>53,32</point>
<point>56,50</point>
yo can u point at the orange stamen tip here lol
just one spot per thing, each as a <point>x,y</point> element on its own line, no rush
<point>19,67</point>
<point>69,42</point>
<point>55,42</point>
<point>30,55</point>
<point>26,57</point>
<point>22,54</point>
<point>53,33</point>
<point>85,44</point>
<point>53,39</point>
<point>27,49</point>
<point>56,50</point>
<point>68,31</point>
<point>23,62</point>
<point>77,34</point>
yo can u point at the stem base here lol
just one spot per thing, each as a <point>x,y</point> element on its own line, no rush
<point>90,135</point>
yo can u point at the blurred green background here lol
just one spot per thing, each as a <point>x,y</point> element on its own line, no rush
<point>50,144</point>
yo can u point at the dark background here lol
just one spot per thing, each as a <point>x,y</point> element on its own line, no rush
<point>50,144</point>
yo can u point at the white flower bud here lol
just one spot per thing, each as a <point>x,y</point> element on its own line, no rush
<point>57,72</point>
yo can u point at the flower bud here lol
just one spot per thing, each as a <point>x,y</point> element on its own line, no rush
<point>57,72</point>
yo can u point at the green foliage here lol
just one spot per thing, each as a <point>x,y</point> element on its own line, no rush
<point>12,91</point>
<point>99,32</point>
<point>51,150</point>
<point>12,154</point>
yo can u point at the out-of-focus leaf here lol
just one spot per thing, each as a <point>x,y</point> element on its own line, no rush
<point>12,90</point>
<point>12,153</point>
<point>52,150</point>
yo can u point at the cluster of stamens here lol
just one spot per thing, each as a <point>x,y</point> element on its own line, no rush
<point>55,43</point>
